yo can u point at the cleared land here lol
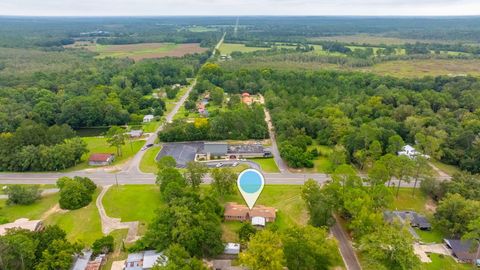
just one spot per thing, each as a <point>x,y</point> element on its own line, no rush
<point>427,67</point>
<point>142,50</point>
<point>373,40</point>
<point>228,48</point>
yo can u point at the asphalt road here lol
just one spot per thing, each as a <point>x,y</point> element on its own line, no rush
<point>346,250</point>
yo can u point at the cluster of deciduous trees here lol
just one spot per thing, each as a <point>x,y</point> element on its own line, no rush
<point>240,123</point>
<point>43,250</point>
<point>387,246</point>
<point>36,147</point>
<point>367,114</point>
<point>458,199</point>
<point>75,192</point>
<point>296,248</point>
<point>189,223</point>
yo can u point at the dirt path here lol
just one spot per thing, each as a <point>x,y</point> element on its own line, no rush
<point>441,174</point>
<point>55,209</point>
<point>110,224</point>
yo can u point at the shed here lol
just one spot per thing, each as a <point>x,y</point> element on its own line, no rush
<point>101,159</point>
<point>258,221</point>
<point>134,261</point>
<point>151,258</point>
<point>136,133</point>
<point>148,118</point>
<point>232,249</point>
<point>82,261</point>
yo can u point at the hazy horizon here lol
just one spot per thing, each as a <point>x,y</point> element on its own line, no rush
<point>151,8</point>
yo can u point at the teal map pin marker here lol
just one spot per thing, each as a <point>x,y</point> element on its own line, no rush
<point>250,182</point>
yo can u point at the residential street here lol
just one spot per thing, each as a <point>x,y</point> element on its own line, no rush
<point>346,249</point>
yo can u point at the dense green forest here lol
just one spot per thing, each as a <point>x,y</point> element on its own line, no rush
<point>363,111</point>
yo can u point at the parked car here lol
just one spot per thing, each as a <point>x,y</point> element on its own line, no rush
<point>235,164</point>
<point>147,146</point>
<point>220,164</point>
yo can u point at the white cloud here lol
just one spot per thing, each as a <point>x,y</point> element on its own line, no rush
<point>238,7</point>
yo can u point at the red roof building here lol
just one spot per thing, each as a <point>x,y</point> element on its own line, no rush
<point>101,159</point>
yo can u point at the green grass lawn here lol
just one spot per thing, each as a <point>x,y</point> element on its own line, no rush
<point>118,254</point>
<point>148,163</point>
<point>133,203</point>
<point>33,211</point>
<point>267,164</point>
<point>100,145</point>
<point>132,49</point>
<point>322,163</point>
<point>446,168</point>
<point>151,126</point>
<point>432,236</point>
<point>406,201</point>
<point>81,225</point>
<point>440,262</point>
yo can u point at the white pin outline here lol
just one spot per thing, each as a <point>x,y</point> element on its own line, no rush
<point>251,198</point>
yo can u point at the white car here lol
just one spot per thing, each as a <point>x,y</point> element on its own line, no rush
<point>235,164</point>
<point>220,164</point>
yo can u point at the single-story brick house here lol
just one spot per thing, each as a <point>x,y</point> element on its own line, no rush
<point>101,159</point>
<point>238,212</point>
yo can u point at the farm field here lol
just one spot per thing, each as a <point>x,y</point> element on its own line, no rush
<point>142,50</point>
<point>372,39</point>
<point>427,67</point>
<point>228,48</point>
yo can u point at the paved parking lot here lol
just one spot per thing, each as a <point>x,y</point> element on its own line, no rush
<point>181,152</point>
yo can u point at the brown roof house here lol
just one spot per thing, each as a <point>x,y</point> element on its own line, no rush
<point>101,159</point>
<point>259,215</point>
<point>246,98</point>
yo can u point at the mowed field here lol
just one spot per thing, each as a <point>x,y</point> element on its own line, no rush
<point>427,67</point>
<point>142,50</point>
<point>373,39</point>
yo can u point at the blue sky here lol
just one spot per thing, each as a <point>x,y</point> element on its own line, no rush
<point>238,7</point>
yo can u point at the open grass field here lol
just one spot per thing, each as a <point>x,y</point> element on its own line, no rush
<point>33,211</point>
<point>201,29</point>
<point>228,48</point>
<point>100,145</point>
<point>151,126</point>
<point>372,39</point>
<point>133,203</point>
<point>148,163</point>
<point>141,50</point>
<point>267,164</point>
<point>405,201</point>
<point>427,67</point>
<point>82,225</point>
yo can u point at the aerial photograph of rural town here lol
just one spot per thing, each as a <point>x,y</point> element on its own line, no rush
<point>240,135</point>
